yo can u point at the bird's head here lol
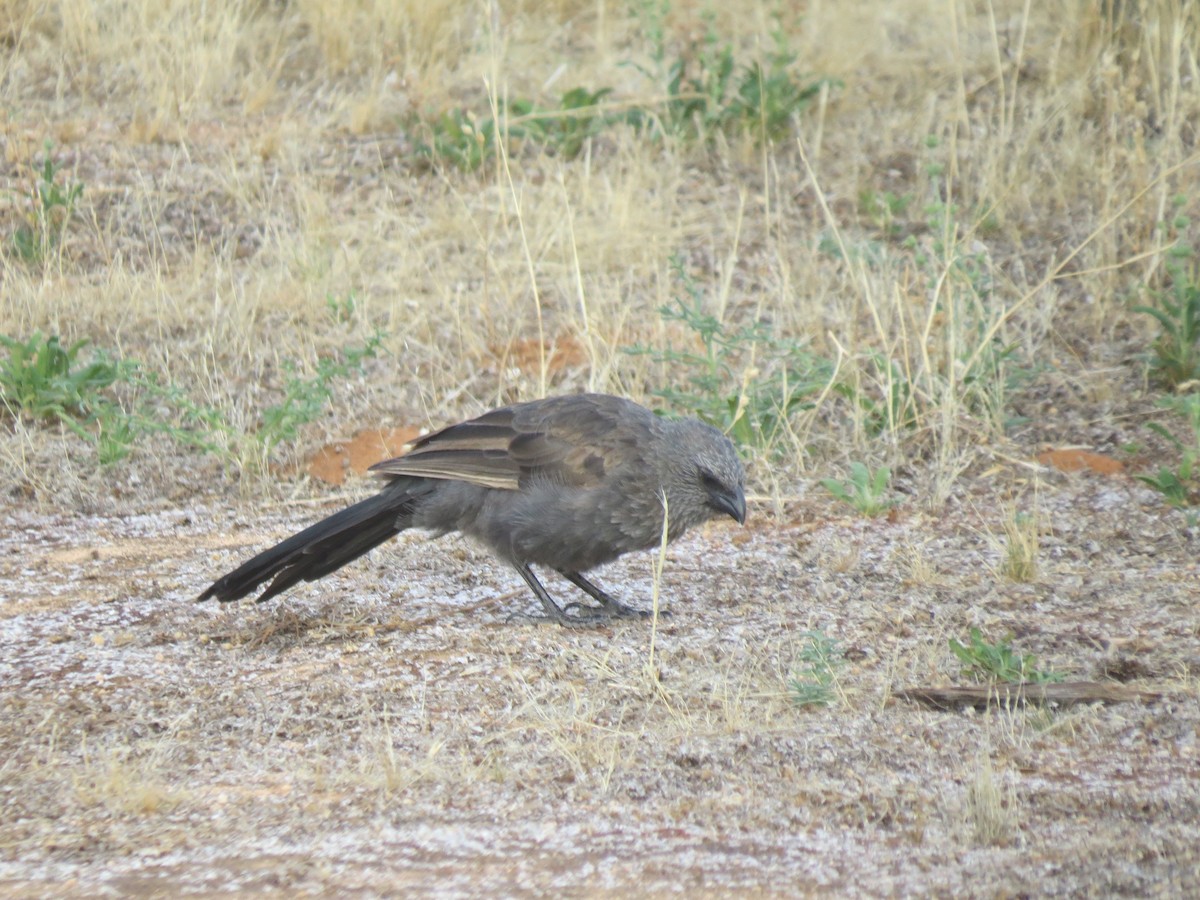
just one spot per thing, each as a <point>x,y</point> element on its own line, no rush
<point>708,480</point>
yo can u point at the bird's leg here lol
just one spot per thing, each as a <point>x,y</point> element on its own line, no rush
<point>553,613</point>
<point>609,605</point>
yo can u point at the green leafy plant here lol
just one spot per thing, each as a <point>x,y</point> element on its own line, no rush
<point>163,407</point>
<point>864,490</point>
<point>43,379</point>
<point>460,138</point>
<point>341,309</point>
<point>815,681</point>
<point>710,92</point>
<point>1176,307</point>
<point>718,384</point>
<point>466,140</point>
<point>706,95</point>
<point>1173,484</point>
<point>305,398</point>
<point>564,129</point>
<point>51,207</point>
<point>1180,485</point>
<point>1177,349</point>
<point>885,210</point>
<point>998,663</point>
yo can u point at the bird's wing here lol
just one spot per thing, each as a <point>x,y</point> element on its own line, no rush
<point>475,451</point>
<point>571,440</point>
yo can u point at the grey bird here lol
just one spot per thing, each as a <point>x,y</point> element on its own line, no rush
<point>568,483</point>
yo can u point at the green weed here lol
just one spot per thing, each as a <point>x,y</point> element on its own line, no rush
<point>42,379</point>
<point>565,129</point>
<point>460,138</point>
<point>1176,352</point>
<point>305,398</point>
<point>864,491</point>
<point>712,94</point>
<point>998,663</point>
<point>1176,358</point>
<point>885,210</point>
<point>50,209</point>
<point>341,309</point>
<point>745,381</point>
<point>1180,485</point>
<point>815,682</point>
<point>709,92</point>
<point>466,140</point>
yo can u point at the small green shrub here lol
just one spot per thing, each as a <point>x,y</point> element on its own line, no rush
<point>305,398</point>
<point>51,207</point>
<point>885,210</point>
<point>1176,357</point>
<point>466,140</point>
<point>998,663</point>
<point>815,681</point>
<point>341,309</point>
<point>716,382</point>
<point>1180,485</point>
<point>710,92</point>
<point>459,138</point>
<point>42,379</point>
<point>864,491</point>
<point>565,129</point>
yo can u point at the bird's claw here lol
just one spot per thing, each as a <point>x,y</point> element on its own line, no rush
<point>613,609</point>
<point>562,619</point>
<point>579,615</point>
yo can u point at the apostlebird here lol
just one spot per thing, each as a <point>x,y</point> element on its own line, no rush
<point>568,483</point>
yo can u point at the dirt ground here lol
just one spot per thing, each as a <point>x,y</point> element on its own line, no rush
<point>390,729</point>
<point>940,266</point>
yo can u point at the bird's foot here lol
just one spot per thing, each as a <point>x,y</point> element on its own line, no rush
<point>562,618</point>
<point>579,615</point>
<point>612,609</point>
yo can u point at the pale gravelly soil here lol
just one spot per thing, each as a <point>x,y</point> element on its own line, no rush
<point>389,730</point>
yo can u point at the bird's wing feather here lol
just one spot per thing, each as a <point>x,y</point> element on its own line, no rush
<point>569,440</point>
<point>475,451</point>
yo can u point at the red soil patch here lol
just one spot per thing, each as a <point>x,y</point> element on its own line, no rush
<point>564,352</point>
<point>1071,460</point>
<point>358,454</point>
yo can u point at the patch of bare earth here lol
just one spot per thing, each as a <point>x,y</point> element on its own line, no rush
<point>390,729</point>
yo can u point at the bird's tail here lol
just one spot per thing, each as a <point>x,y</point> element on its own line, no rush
<point>321,548</point>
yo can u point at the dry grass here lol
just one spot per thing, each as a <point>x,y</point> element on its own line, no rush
<point>1020,561</point>
<point>991,809</point>
<point>1034,149</point>
<point>957,231</point>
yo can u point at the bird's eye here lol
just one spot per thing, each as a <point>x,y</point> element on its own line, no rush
<point>710,481</point>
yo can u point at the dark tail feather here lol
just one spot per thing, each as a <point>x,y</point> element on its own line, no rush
<point>319,549</point>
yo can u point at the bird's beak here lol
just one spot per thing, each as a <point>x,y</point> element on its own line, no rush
<point>732,504</point>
